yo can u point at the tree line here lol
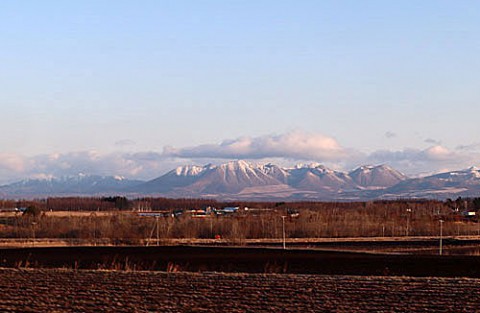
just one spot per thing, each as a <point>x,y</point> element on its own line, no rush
<point>260,219</point>
<point>122,203</point>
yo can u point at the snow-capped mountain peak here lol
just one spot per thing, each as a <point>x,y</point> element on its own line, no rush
<point>81,184</point>
<point>189,170</point>
<point>474,168</point>
<point>237,165</point>
<point>378,176</point>
<point>243,180</point>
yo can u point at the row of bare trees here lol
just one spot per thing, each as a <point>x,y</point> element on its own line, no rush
<point>124,204</point>
<point>261,220</point>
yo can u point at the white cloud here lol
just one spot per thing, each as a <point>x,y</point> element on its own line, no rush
<point>284,149</point>
<point>416,161</point>
<point>11,162</point>
<point>11,167</point>
<point>145,165</point>
<point>292,145</point>
<point>438,153</point>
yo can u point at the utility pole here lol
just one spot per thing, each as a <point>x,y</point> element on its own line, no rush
<point>33,233</point>
<point>158,230</point>
<point>94,231</point>
<point>440,248</point>
<point>283,231</point>
<point>409,211</point>
<point>211,226</point>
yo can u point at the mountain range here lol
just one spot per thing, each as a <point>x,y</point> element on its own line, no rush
<point>244,181</point>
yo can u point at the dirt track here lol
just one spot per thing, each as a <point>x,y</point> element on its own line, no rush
<point>36,290</point>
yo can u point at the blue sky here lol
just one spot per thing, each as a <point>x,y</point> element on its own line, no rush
<point>137,87</point>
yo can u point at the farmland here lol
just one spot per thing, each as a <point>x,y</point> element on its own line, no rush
<point>34,290</point>
<point>241,260</point>
<point>342,257</point>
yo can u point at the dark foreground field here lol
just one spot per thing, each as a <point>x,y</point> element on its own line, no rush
<point>42,290</point>
<point>242,260</point>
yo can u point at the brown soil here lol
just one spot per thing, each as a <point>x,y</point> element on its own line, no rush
<point>36,290</point>
<point>241,260</point>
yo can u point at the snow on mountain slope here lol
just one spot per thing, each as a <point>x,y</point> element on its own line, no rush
<point>275,171</point>
<point>242,180</point>
<point>190,170</point>
<point>465,183</point>
<point>374,177</point>
<point>318,177</point>
<point>182,176</point>
<point>69,185</point>
<point>231,177</point>
<point>467,176</point>
<point>234,176</point>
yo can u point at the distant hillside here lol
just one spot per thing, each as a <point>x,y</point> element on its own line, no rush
<point>69,185</point>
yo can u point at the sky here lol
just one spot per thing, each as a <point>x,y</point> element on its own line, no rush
<point>135,88</point>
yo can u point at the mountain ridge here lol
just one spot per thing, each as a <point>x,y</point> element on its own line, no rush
<point>241,180</point>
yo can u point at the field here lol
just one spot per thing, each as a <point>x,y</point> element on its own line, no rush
<point>35,290</point>
<point>237,279</point>
<point>241,260</point>
<point>372,257</point>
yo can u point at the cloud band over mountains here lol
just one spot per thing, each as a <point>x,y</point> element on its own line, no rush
<point>296,146</point>
<point>292,145</point>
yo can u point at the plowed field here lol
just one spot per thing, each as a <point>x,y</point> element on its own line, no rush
<point>241,260</point>
<point>53,290</point>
